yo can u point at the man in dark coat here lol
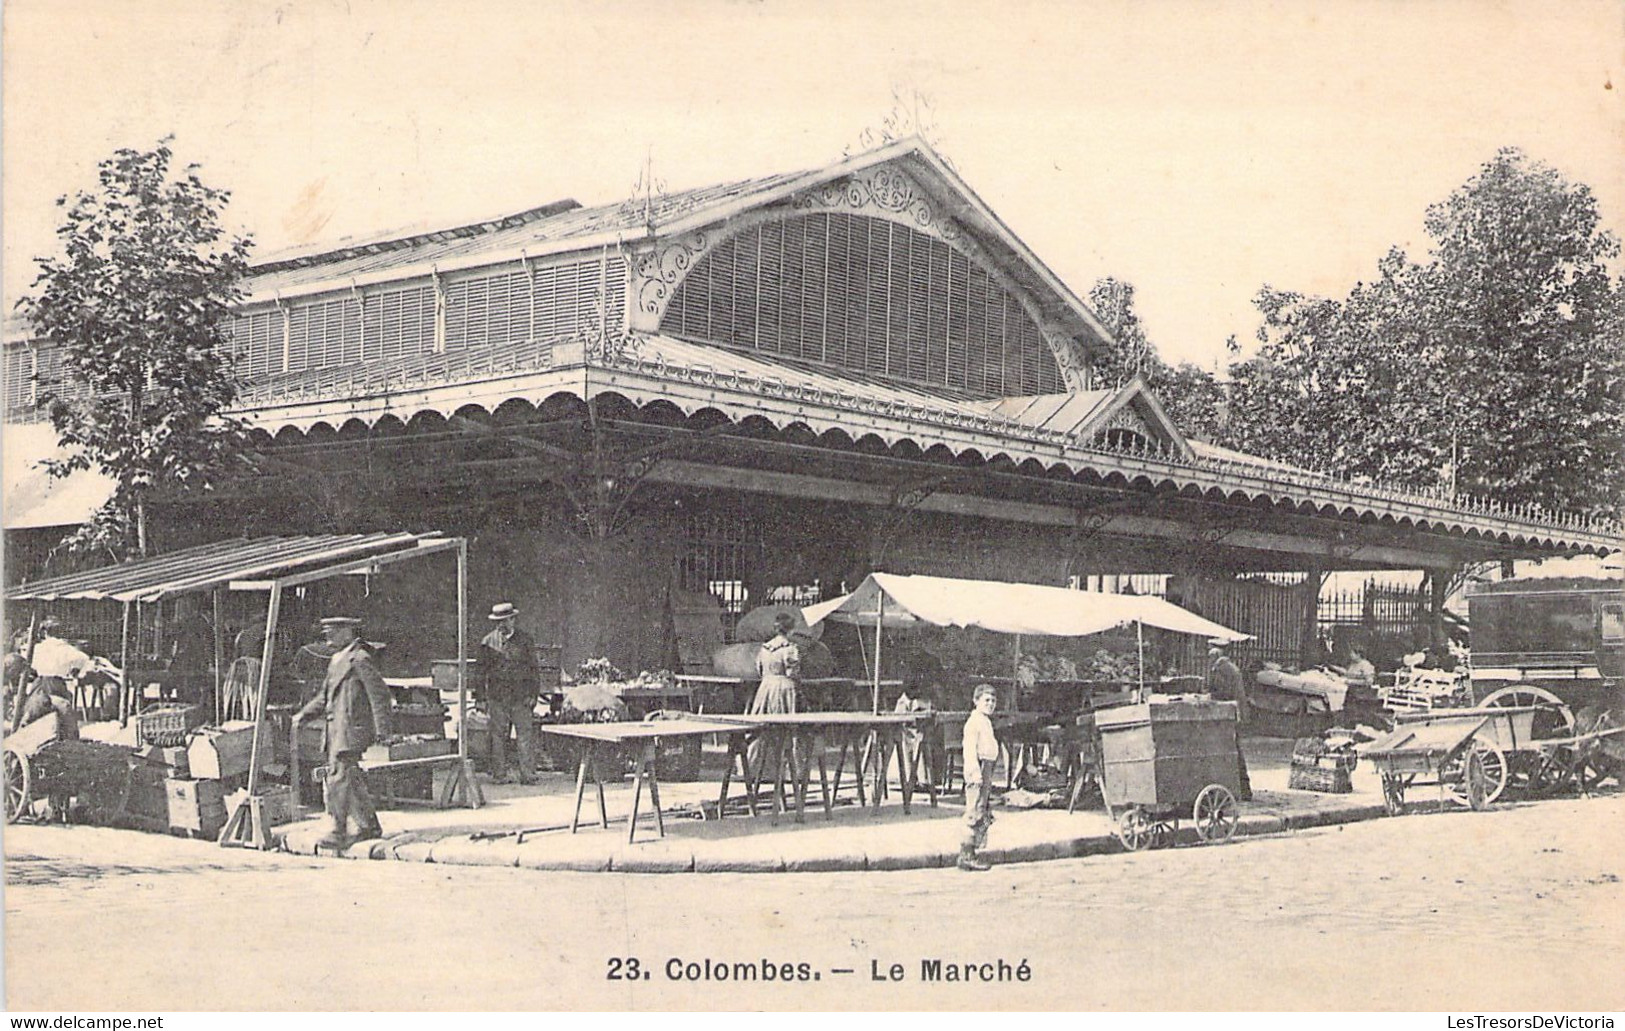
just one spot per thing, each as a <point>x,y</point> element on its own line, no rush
<point>1224,684</point>
<point>355,703</point>
<point>508,658</point>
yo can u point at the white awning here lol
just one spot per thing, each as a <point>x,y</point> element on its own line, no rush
<point>33,498</point>
<point>1007,608</point>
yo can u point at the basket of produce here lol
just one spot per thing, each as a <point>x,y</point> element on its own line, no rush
<point>168,725</point>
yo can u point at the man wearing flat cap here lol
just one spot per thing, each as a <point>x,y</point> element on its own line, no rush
<point>355,703</point>
<point>508,657</point>
<point>1224,684</point>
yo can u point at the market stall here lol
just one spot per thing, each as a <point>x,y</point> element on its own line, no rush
<point>206,760</point>
<point>892,601</point>
<point>887,600</point>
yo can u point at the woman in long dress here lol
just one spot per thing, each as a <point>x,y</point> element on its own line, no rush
<point>779,663</point>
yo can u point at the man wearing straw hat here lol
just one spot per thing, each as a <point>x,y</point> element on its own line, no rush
<point>355,703</point>
<point>508,657</point>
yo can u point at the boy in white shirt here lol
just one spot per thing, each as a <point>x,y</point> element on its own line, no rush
<point>981,753</point>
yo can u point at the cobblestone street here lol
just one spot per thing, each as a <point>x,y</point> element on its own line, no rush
<point>1520,908</point>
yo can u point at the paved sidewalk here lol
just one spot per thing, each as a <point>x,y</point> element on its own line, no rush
<point>529,827</point>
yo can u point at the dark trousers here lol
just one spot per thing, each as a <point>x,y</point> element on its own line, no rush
<point>505,714</point>
<point>348,799</point>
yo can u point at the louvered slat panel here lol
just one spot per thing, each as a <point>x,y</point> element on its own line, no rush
<point>719,310</point>
<point>583,279</point>
<point>1014,343</point>
<point>767,284</point>
<point>922,355</point>
<point>299,343</point>
<point>615,277</point>
<point>747,263</point>
<point>874,284</point>
<point>792,274</point>
<point>940,333</point>
<point>19,377</point>
<point>391,323</point>
<point>814,299</point>
<point>965,323</point>
<point>838,282</point>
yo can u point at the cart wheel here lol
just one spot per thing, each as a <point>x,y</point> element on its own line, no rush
<point>1135,829</point>
<point>19,782</point>
<point>1393,795</point>
<point>1216,813</point>
<point>1555,719</point>
<point>1165,833</point>
<point>1492,771</point>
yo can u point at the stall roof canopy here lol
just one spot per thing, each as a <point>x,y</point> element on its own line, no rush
<point>1007,608</point>
<point>215,565</point>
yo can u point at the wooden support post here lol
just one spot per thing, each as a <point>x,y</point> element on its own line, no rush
<point>28,664</point>
<point>125,703</point>
<point>460,783</point>
<point>248,826</point>
<point>219,654</point>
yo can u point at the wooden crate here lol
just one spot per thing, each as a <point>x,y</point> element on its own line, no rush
<point>196,806</point>
<point>277,801</point>
<point>219,753</point>
<point>173,760</point>
<point>417,748</point>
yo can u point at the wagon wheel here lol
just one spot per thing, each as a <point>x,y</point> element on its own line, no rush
<point>1476,781</point>
<point>1457,775</point>
<point>1135,829</point>
<point>1555,719</point>
<point>1165,833</point>
<point>19,783</point>
<point>1548,773</point>
<point>1393,794</point>
<point>1216,814</point>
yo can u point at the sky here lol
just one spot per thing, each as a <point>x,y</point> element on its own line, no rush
<point>1196,150</point>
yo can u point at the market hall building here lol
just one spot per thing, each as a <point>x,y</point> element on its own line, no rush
<point>649,417</point>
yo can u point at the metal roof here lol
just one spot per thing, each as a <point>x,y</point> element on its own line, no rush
<point>338,264</point>
<point>209,566</point>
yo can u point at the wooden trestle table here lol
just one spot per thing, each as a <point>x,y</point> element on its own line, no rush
<point>797,740</point>
<point>645,736</point>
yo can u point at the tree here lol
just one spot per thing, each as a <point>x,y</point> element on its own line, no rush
<point>1192,397</point>
<point>1496,366</point>
<point>137,303</point>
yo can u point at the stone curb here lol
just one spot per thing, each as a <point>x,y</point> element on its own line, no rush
<point>665,858</point>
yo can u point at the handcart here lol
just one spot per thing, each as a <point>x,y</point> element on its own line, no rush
<point>1442,747</point>
<point>40,764</point>
<point>1160,759</point>
<point>1506,744</point>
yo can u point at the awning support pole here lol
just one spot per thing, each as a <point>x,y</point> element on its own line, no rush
<point>1015,678</point>
<point>250,826</point>
<point>1139,633</point>
<point>880,623</point>
<point>125,696</point>
<point>461,782</point>
<point>28,664</point>
<point>219,654</point>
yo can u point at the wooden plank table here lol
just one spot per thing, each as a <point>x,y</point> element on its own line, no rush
<point>785,735</point>
<point>645,736</point>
